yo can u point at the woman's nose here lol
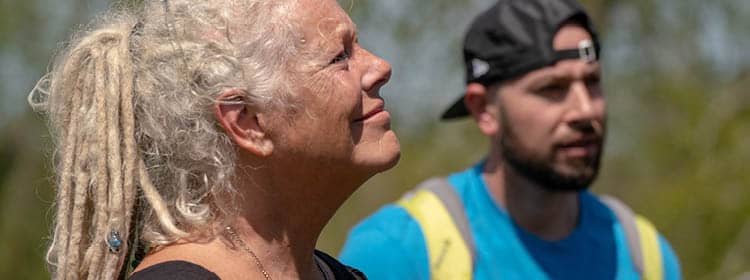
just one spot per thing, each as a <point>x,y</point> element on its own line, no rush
<point>377,74</point>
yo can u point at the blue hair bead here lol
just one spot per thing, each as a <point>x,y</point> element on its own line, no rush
<point>114,242</point>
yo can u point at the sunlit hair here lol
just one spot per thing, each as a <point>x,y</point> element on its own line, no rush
<point>138,150</point>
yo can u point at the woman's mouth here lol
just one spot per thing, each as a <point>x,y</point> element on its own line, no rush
<point>377,112</point>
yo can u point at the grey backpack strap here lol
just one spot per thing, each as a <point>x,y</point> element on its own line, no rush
<point>627,219</point>
<point>452,202</point>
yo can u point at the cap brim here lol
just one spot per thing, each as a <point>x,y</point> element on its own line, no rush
<point>457,110</point>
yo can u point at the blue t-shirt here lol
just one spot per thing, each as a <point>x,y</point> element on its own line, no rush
<point>390,245</point>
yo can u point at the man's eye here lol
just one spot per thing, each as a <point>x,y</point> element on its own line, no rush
<point>553,88</point>
<point>553,91</point>
<point>593,81</point>
<point>342,56</point>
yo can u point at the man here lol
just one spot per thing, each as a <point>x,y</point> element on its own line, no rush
<point>524,212</point>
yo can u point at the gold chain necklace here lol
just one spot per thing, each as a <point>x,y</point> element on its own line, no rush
<point>236,239</point>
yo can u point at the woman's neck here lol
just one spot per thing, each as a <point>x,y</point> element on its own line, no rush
<point>282,251</point>
<point>281,217</point>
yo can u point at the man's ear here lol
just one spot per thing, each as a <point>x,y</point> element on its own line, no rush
<point>242,123</point>
<point>481,106</point>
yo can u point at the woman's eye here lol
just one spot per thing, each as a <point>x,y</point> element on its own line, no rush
<point>343,56</point>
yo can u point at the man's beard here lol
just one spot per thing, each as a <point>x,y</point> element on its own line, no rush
<point>540,170</point>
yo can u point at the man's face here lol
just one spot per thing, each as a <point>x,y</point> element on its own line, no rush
<point>552,120</point>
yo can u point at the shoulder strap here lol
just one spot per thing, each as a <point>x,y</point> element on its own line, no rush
<point>627,219</point>
<point>642,238</point>
<point>653,268</point>
<point>440,214</point>
<point>452,202</point>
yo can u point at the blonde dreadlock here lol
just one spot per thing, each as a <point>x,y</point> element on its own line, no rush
<point>129,104</point>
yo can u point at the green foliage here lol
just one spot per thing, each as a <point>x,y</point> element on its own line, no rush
<point>25,196</point>
<point>687,172</point>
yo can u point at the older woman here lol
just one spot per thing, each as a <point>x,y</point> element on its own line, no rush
<point>218,137</point>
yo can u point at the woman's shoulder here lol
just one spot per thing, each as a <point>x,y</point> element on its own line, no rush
<point>339,270</point>
<point>174,270</point>
<point>180,269</point>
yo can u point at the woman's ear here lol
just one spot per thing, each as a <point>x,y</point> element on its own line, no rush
<point>482,108</point>
<point>242,123</point>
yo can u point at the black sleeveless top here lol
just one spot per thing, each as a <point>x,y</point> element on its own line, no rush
<point>182,270</point>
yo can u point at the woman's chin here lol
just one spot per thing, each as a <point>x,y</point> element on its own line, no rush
<point>391,162</point>
<point>380,156</point>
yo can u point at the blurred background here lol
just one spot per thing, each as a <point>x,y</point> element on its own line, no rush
<point>676,74</point>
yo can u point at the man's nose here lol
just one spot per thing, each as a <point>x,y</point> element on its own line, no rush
<point>585,112</point>
<point>585,102</point>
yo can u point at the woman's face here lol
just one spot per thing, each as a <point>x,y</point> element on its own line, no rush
<point>340,122</point>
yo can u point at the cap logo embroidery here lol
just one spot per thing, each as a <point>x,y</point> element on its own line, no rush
<point>586,51</point>
<point>479,67</point>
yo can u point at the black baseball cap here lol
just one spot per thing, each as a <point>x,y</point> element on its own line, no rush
<point>514,37</point>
